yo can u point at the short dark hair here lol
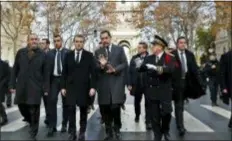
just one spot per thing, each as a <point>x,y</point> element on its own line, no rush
<point>106,31</point>
<point>144,44</point>
<point>179,38</point>
<point>57,35</point>
<point>47,40</point>
<point>79,36</point>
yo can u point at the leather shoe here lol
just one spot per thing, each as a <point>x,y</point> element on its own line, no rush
<point>72,137</point>
<point>230,124</point>
<point>51,132</point>
<point>63,129</point>
<point>166,136</point>
<point>148,126</point>
<point>81,137</point>
<point>137,119</point>
<point>182,132</point>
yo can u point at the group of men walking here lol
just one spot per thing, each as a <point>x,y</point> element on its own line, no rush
<point>78,74</point>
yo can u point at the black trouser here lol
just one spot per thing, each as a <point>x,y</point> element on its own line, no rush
<point>91,100</point>
<point>111,116</point>
<point>179,104</point>
<point>52,104</point>
<point>72,119</point>
<point>3,112</point>
<point>46,105</point>
<point>213,87</point>
<point>34,111</point>
<point>160,117</point>
<point>8,98</point>
<point>137,100</point>
<point>24,110</point>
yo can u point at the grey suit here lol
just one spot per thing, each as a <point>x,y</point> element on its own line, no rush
<point>111,88</point>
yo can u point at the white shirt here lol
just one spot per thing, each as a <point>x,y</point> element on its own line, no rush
<point>80,53</point>
<point>185,58</point>
<point>55,73</point>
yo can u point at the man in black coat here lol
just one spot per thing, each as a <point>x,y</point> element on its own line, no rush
<point>159,68</point>
<point>28,78</point>
<point>4,78</point>
<point>186,71</point>
<point>211,70</point>
<point>56,63</point>
<point>8,94</point>
<point>78,83</point>
<point>226,77</point>
<point>45,43</point>
<point>136,82</point>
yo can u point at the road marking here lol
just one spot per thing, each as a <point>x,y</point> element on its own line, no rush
<point>127,119</point>
<point>12,109</point>
<point>192,124</point>
<point>18,124</point>
<point>218,110</point>
<point>78,118</point>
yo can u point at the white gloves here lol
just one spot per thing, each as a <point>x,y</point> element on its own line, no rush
<point>150,66</point>
<point>138,62</point>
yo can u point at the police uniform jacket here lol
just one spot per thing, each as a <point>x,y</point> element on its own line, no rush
<point>159,85</point>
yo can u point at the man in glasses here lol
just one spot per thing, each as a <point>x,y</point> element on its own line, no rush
<point>56,63</point>
<point>111,67</point>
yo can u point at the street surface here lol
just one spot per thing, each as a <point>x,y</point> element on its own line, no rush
<point>202,121</point>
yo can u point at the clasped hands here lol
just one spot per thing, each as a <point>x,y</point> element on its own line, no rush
<point>156,68</point>
<point>92,92</point>
<point>104,63</point>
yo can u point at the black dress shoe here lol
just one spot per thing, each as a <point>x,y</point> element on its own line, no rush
<point>8,105</point>
<point>137,119</point>
<point>46,122</point>
<point>72,137</point>
<point>166,136</point>
<point>81,137</point>
<point>63,129</point>
<point>51,132</point>
<point>230,125</point>
<point>182,131</point>
<point>4,122</point>
<point>148,126</point>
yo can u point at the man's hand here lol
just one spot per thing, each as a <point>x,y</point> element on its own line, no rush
<point>92,92</point>
<point>225,91</point>
<point>129,88</point>
<point>12,91</point>
<point>102,60</point>
<point>63,92</point>
<point>213,67</point>
<point>46,93</point>
<point>110,69</point>
<point>150,66</point>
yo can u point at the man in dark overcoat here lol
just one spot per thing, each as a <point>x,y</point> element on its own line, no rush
<point>159,68</point>
<point>78,83</point>
<point>28,79</point>
<point>137,82</point>
<point>226,77</point>
<point>4,78</point>
<point>187,82</point>
<point>111,66</point>
<point>55,61</point>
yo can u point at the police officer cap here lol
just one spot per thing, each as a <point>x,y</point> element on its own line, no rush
<point>158,40</point>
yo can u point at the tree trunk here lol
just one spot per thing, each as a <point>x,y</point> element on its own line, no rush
<point>15,47</point>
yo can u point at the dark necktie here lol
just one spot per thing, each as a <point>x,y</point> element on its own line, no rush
<point>183,64</point>
<point>77,56</point>
<point>108,51</point>
<point>58,62</point>
<point>157,59</point>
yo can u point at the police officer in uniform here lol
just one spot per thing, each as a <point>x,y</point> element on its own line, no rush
<point>159,68</point>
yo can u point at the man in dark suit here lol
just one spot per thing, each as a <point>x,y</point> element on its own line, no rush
<point>226,77</point>
<point>29,79</point>
<point>56,62</point>
<point>4,78</point>
<point>159,68</point>
<point>186,71</point>
<point>137,84</point>
<point>111,66</point>
<point>45,43</point>
<point>78,83</point>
